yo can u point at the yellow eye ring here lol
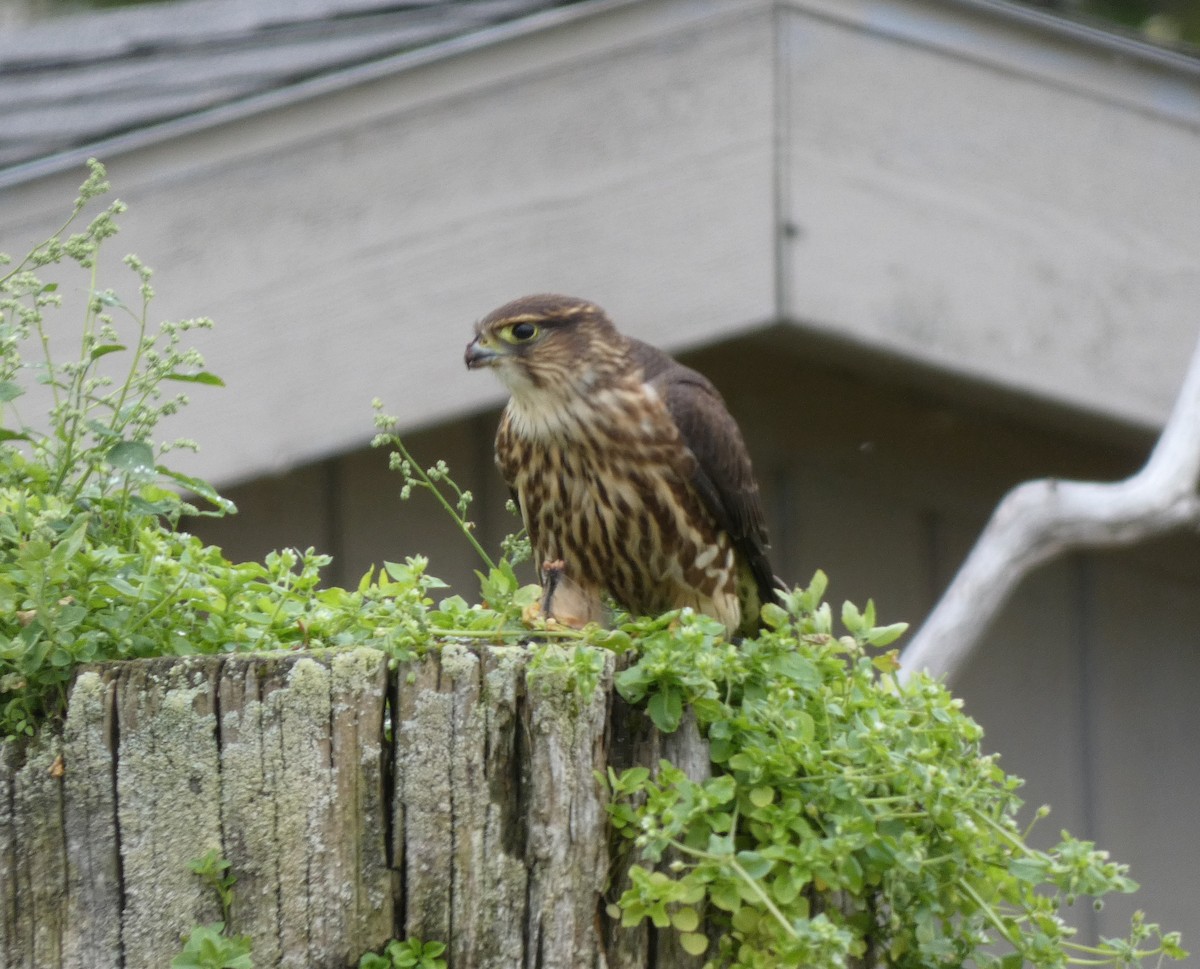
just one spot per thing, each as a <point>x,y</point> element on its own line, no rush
<point>521,332</point>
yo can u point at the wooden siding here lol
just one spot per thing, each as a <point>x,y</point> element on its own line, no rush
<point>883,482</point>
<point>991,196</point>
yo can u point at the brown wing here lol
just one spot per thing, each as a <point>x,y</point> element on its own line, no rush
<point>723,476</point>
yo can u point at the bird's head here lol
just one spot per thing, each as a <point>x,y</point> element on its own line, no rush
<point>547,345</point>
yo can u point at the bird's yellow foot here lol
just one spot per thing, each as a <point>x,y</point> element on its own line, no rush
<point>564,600</point>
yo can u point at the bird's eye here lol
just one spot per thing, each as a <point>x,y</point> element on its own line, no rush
<point>520,332</point>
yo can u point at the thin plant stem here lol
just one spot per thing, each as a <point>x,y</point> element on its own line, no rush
<point>417,475</point>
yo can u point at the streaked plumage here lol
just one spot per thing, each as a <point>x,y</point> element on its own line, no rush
<point>631,476</point>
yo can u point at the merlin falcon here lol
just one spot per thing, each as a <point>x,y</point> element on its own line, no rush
<point>631,476</point>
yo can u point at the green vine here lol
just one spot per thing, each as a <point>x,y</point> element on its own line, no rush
<point>406,954</point>
<point>214,946</point>
<point>848,818</point>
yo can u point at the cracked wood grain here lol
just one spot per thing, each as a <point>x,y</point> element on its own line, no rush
<point>451,798</point>
<point>94,889</point>
<point>168,806</point>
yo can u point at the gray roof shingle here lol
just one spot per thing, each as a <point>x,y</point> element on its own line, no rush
<point>73,81</point>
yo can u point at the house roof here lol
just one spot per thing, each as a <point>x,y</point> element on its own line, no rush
<point>77,80</point>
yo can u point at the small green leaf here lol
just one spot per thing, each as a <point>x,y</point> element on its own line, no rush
<point>132,457</point>
<point>799,670</point>
<point>1029,870</point>
<point>721,789</point>
<point>102,430</point>
<point>724,895</point>
<point>693,943</point>
<point>107,298</point>
<point>631,683</point>
<point>868,615</point>
<point>851,618</point>
<point>785,888</point>
<point>745,919</point>
<point>754,864</point>
<point>10,390</point>
<point>207,947</point>
<point>201,488</point>
<point>685,919</point>
<point>806,727</point>
<point>774,616</point>
<point>70,541</point>
<point>760,797</point>
<point>884,635</point>
<point>200,377</point>
<point>104,350</point>
<point>666,709</point>
<point>634,778</point>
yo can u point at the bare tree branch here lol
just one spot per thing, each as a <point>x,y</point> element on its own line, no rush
<point>1040,520</point>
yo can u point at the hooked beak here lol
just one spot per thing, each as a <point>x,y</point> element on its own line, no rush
<point>480,355</point>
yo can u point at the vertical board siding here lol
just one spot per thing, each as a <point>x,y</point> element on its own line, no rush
<point>951,204</point>
<point>1146,734</point>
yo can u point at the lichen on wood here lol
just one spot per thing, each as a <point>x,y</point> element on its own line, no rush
<point>168,801</point>
<point>32,855</point>
<point>450,798</point>
<point>94,891</point>
<point>302,804</point>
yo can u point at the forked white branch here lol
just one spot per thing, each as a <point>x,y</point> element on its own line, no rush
<point>1040,520</point>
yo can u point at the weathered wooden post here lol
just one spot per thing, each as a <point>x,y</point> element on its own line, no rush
<point>451,798</point>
